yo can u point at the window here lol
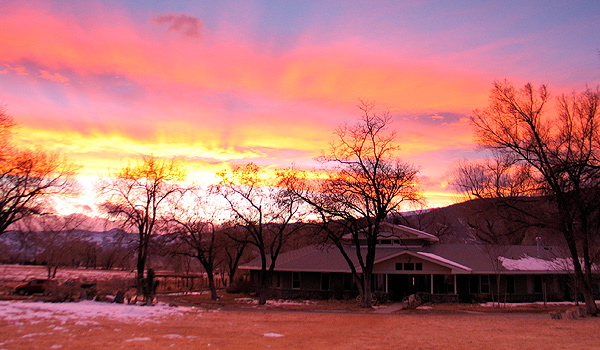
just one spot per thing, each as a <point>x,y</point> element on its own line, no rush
<point>349,282</point>
<point>537,284</point>
<point>324,281</point>
<point>484,284</point>
<point>474,284</point>
<point>277,280</point>
<point>510,284</point>
<point>409,266</point>
<point>295,280</point>
<point>443,284</point>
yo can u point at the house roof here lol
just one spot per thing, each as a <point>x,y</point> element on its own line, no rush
<point>388,230</point>
<point>460,258</point>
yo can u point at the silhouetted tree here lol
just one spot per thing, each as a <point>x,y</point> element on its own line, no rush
<point>29,178</point>
<point>366,183</point>
<point>265,211</point>
<point>193,221</point>
<point>137,195</point>
<point>561,152</point>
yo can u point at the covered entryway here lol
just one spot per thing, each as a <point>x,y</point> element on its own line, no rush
<point>400,286</point>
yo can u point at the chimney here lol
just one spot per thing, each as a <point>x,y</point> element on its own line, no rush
<point>538,241</point>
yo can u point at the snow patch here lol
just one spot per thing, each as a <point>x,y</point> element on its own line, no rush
<point>537,303</point>
<point>529,263</point>
<point>273,335</point>
<point>83,312</point>
<point>138,339</point>
<point>172,336</point>
<point>424,307</point>
<point>279,302</point>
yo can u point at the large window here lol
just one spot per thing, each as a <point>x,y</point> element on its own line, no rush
<point>443,284</point>
<point>484,284</point>
<point>510,284</point>
<point>324,281</point>
<point>349,282</point>
<point>295,280</point>
<point>537,284</point>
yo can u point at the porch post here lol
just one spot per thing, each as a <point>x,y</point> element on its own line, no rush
<point>431,288</point>
<point>455,286</point>
<point>387,282</point>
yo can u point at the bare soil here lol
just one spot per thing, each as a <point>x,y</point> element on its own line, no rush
<point>300,330</point>
<point>231,324</point>
<point>235,322</point>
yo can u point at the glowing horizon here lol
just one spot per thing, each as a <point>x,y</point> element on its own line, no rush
<point>236,82</point>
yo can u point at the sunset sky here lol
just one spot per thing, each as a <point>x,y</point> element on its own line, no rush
<point>224,83</point>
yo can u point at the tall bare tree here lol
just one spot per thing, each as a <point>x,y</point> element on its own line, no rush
<point>29,178</point>
<point>268,213</point>
<point>197,231</point>
<point>563,152</point>
<point>366,183</point>
<point>137,195</point>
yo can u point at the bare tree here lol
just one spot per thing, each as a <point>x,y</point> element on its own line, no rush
<point>507,206</point>
<point>193,222</point>
<point>563,153</point>
<point>235,244</point>
<point>268,213</point>
<point>29,179</point>
<point>58,238</point>
<point>366,183</point>
<point>137,196</point>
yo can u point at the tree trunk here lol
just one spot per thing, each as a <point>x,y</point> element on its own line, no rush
<point>588,294</point>
<point>232,272</point>
<point>580,280</point>
<point>367,294</point>
<point>141,264</point>
<point>265,286</point>
<point>211,285</point>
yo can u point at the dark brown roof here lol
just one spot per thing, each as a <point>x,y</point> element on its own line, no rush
<point>462,258</point>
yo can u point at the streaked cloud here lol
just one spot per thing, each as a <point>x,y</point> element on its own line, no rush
<point>235,82</point>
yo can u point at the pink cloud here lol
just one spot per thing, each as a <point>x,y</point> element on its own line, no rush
<point>56,77</point>
<point>133,87</point>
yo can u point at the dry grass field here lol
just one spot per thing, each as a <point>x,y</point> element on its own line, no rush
<point>237,323</point>
<point>276,329</point>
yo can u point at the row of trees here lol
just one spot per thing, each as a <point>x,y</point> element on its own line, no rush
<point>535,154</point>
<point>364,184</point>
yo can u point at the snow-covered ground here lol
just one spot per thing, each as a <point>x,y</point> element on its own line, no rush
<point>84,312</point>
<point>537,303</point>
<point>278,302</point>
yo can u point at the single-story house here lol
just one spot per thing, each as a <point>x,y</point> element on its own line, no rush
<point>410,261</point>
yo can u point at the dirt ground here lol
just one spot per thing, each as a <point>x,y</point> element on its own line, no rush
<point>272,328</point>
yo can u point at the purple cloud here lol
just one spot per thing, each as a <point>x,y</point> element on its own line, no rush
<point>179,22</point>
